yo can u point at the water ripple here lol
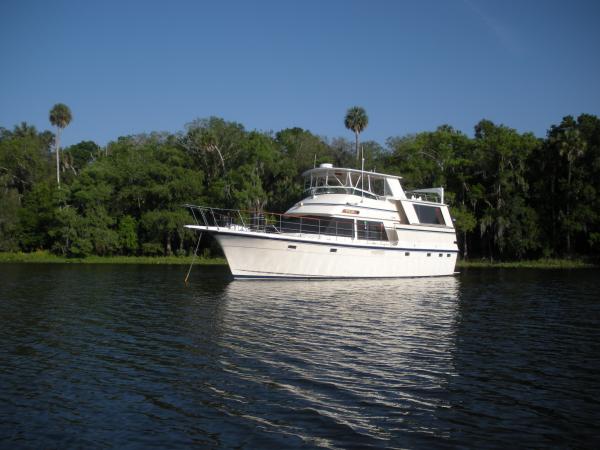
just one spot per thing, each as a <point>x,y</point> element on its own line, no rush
<point>127,357</point>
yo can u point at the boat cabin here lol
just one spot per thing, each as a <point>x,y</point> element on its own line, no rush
<point>342,192</point>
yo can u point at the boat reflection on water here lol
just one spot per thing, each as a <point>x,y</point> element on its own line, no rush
<point>338,347</point>
<point>398,297</point>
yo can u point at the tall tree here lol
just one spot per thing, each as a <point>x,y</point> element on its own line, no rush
<point>571,147</point>
<point>356,120</point>
<point>60,117</point>
<point>507,223</point>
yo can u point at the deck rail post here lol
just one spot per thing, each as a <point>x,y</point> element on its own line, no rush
<point>194,215</point>
<point>212,212</point>
<point>204,219</point>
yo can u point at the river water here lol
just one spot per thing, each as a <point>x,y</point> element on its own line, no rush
<point>128,357</point>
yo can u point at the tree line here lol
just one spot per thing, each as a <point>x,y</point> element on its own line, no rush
<point>512,195</point>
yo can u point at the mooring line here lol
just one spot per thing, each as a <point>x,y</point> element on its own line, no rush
<point>193,259</point>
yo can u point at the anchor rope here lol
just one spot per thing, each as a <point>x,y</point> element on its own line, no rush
<point>193,259</point>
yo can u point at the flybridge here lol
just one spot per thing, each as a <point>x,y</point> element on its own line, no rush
<point>327,179</point>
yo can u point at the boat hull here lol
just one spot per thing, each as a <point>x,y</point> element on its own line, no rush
<point>251,255</point>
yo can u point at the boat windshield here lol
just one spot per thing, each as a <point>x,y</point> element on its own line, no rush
<point>337,181</point>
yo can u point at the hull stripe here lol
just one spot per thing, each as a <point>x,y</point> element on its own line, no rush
<point>326,278</point>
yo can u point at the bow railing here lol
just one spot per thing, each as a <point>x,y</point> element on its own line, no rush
<point>264,222</point>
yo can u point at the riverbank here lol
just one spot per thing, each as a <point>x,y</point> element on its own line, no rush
<point>531,264</point>
<point>45,257</point>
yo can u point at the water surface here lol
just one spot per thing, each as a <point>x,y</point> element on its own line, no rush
<point>128,357</point>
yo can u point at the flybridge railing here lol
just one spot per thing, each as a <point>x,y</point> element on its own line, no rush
<point>235,219</point>
<point>341,190</point>
<point>432,195</point>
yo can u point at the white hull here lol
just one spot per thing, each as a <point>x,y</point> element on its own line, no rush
<point>256,255</point>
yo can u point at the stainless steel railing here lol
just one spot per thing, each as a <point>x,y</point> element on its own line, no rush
<point>280,223</point>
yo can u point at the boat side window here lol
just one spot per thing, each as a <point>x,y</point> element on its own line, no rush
<point>372,231</point>
<point>314,225</point>
<point>336,227</point>
<point>429,214</point>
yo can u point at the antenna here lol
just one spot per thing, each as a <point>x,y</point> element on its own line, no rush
<point>362,175</point>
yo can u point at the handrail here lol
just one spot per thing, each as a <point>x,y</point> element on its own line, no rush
<point>317,190</point>
<point>277,223</point>
<point>431,197</point>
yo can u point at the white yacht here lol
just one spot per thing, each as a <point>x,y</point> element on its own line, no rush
<point>352,224</point>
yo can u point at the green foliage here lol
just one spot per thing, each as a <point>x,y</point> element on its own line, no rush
<point>512,196</point>
<point>23,157</point>
<point>128,235</point>
<point>60,115</point>
<point>76,157</point>
<point>37,216</point>
<point>464,220</point>
<point>566,185</point>
<point>302,148</point>
<point>9,223</point>
<point>505,217</point>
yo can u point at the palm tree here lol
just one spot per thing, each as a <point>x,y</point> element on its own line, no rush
<point>572,146</point>
<point>60,117</point>
<point>356,120</point>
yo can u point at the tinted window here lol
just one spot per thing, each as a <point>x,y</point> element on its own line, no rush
<point>337,227</point>
<point>372,231</point>
<point>310,225</point>
<point>430,214</point>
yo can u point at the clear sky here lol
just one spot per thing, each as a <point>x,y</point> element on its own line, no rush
<point>127,67</point>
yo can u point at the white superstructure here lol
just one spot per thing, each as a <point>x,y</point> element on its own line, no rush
<point>352,224</point>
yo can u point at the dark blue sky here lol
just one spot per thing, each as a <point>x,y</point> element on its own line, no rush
<point>127,67</point>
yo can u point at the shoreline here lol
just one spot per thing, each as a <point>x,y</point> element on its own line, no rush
<point>544,263</point>
<point>49,258</point>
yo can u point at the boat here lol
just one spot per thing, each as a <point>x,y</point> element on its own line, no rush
<point>351,224</point>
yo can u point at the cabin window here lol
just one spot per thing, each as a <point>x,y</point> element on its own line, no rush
<point>336,227</point>
<point>371,231</point>
<point>430,214</point>
<point>315,225</point>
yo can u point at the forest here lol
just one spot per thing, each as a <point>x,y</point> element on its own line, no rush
<point>512,195</point>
